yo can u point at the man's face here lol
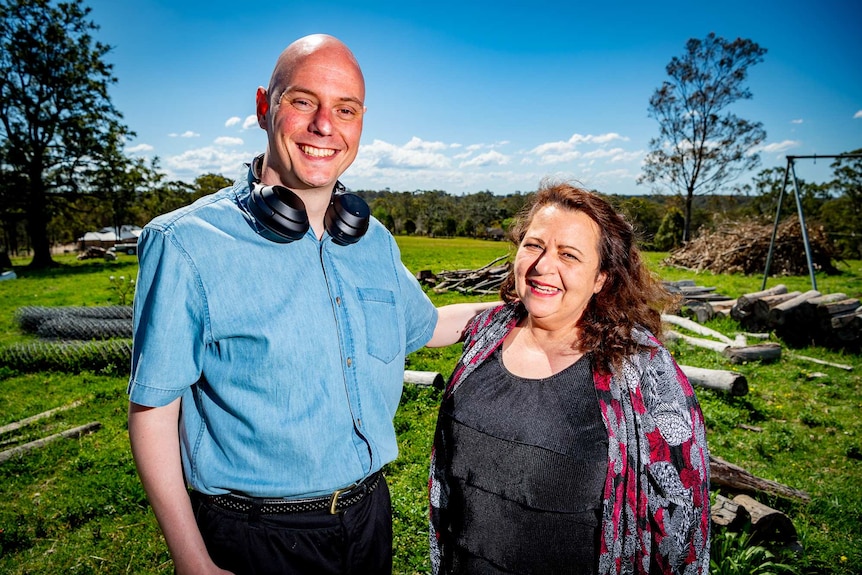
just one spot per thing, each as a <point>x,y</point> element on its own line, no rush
<point>314,119</point>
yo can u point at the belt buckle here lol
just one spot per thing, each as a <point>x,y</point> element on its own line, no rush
<point>333,502</point>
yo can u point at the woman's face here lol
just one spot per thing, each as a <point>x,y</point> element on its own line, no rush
<point>557,267</point>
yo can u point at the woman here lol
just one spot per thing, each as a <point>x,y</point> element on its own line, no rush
<point>568,440</point>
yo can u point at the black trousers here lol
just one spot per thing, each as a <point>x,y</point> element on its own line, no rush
<point>355,541</point>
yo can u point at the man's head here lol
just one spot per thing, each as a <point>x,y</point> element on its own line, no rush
<point>312,112</point>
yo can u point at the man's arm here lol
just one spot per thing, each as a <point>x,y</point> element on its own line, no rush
<point>154,436</point>
<point>452,320</point>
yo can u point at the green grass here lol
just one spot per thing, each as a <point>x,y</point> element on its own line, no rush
<point>76,506</point>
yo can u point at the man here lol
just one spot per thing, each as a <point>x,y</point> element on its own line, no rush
<point>268,359</point>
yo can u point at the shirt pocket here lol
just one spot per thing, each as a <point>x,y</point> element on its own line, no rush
<point>381,323</point>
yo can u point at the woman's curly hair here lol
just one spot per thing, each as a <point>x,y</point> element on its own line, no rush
<point>631,295</point>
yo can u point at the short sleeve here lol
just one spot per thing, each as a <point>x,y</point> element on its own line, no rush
<point>168,348</point>
<point>419,313</point>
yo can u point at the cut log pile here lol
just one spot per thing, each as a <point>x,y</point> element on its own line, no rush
<point>483,281</point>
<point>803,318</point>
<point>799,318</point>
<point>743,246</point>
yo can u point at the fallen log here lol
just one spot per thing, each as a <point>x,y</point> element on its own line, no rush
<point>696,341</point>
<point>821,362</point>
<point>32,419</point>
<point>785,312</point>
<point>68,434</point>
<point>695,327</point>
<point>763,352</point>
<point>716,379</point>
<point>742,309</point>
<point>726,474</point>
<point>727,513</point>
<point>759,316</point>
<point>426,378</point>
<point>767,524</point>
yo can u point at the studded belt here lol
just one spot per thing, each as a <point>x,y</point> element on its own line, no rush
<point>337,501</point>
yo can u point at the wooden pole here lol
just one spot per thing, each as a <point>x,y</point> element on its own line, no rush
<point>28,420</point>
<point>69,433</point>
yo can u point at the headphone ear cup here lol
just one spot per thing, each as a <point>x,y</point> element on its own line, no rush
<point>280,211</point>
<point>346,218</point>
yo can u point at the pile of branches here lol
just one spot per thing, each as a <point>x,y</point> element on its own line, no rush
<point>743,247</point>
<point>483,281</point>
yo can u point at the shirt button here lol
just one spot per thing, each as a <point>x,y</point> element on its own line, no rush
<point>349,362</point>
<point>337,301</point>
<point>359,423</point>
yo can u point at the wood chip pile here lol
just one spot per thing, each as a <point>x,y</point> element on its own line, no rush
<point>743,246</point>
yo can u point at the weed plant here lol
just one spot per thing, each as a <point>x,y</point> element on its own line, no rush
<point>76,506</point>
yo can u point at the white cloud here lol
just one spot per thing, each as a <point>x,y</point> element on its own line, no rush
<point>857,115</point>
<point>249,122</point>
<point>778,146</point>
<point>420,144</point>
<point>490,158</point>
<point>603,153</point>
<point>228,141</point>
<point>559,158</point>
<point>232,121</point>
<point>564,147</point>
<point>140,148</point>
<point>415,154</point>
<point>186,134</point>
<point>798,121</point>
<point>211,159</point>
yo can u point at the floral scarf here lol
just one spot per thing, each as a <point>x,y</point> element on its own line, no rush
<point>655,505</point>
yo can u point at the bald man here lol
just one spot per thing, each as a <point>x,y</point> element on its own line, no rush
<point>271,324</point>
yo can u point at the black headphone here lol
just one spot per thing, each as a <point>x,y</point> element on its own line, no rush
<point>282,212</point>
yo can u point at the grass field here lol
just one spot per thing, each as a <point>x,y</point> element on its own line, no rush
<point>76,506</point>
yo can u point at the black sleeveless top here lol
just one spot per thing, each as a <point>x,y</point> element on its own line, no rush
<point>526,461</point>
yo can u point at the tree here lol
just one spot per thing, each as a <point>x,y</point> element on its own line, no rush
<point>842,216</point>
<point>702,145</point>
<point>669,234</point>
<point>56,118</point>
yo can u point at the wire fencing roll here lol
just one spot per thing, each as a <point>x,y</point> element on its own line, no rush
<point>72,339</point>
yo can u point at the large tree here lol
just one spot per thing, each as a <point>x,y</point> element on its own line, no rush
<point>56,118</point>
<point>702,145</point>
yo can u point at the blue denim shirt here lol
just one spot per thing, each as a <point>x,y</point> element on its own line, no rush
<point>289,358</point>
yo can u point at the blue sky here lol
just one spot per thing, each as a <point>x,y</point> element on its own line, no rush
<point>468,96</point>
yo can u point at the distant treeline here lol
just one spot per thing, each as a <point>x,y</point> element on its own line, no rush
<point>658,219</point>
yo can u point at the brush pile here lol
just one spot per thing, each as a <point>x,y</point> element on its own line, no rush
<point>743,246</point>
<point>483,281</point>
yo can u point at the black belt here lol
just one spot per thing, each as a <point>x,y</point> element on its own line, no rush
<point>337,501</point>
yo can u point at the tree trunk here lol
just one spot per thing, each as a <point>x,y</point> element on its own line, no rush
<point>689,201</point>
<point>37,222</point>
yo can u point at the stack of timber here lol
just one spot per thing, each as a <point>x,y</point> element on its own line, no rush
<point>803,318</point>
<point>700,302</point>
<point>742,247</point>
<point>483,281</point>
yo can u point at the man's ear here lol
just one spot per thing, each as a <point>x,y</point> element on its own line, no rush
<point>261,106</point>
